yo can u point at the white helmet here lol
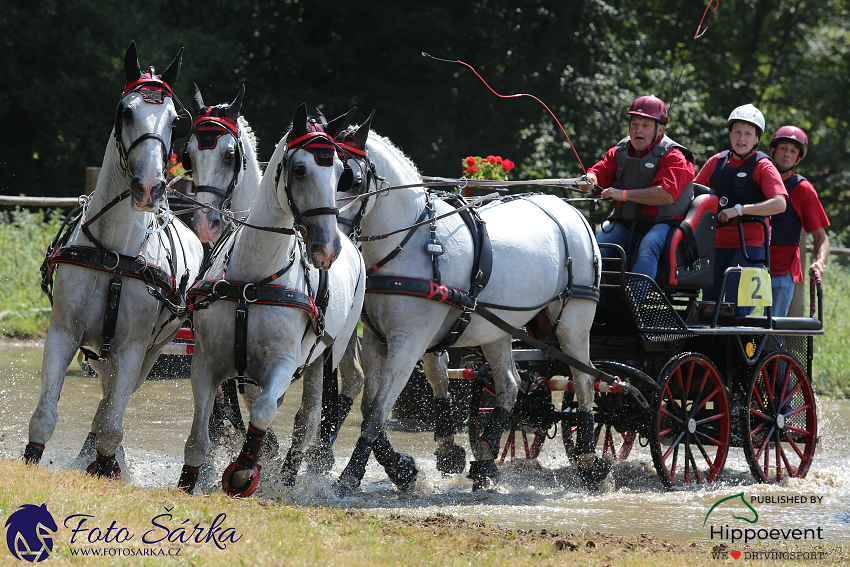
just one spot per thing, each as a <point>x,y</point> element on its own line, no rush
<point>747,113</point>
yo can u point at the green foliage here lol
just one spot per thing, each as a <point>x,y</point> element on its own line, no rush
<point>24,237</point>
<point>831,364</point>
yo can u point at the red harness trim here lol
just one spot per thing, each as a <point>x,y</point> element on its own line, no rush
<point>417,287</point>
<point>309,135</point>
<point>227,123</point>
<point>153,82</point>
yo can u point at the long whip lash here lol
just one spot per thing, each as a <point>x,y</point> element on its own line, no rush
<point>558,122</point>
<point>697,35</point>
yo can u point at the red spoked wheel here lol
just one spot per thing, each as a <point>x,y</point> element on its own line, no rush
<point>528,437</point>
<point>690,422</point>
<point>616,439</point>
<point>781,420</point>
<point>227,486</point>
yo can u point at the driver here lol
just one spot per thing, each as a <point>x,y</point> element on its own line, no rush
<point>747,183</point>
<point>650,179</point>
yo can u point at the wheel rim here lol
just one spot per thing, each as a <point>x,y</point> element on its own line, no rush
<point>781,420</point>
<point>690,422</point>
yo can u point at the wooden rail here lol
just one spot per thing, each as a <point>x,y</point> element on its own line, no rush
<point>39,201</point>
<point>845,252</point>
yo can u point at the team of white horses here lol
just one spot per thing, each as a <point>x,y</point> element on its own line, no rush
<point>281,294</point>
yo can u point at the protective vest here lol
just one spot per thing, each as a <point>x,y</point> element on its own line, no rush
<point>637,173</point>
<point>736,184</point>
<point>786,228</point>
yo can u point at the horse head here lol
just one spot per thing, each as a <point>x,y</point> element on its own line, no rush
<point>217,158</point>
<point>146,124</point>
<point>357,178</point>
<point>306,180</point>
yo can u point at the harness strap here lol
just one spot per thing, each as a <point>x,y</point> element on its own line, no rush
<point>397,250</point>
<point>206,291</point>
<point>240,340</point>
<point>106,261</point>
<point>110,315</point>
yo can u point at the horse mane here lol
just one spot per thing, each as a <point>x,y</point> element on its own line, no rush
<point>252,137</point>
<point>394,151</point>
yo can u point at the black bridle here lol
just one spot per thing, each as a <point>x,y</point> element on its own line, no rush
<point>152,90</point>
<point>323,147</point>
<point>240,161</point>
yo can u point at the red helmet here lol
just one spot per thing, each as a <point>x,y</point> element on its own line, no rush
<point>650,106</point>
<point>791,134</point>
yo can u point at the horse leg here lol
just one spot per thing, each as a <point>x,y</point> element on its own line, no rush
<point>575,341</point>
<point>385,379</point>
<point>483,471</point>
<point>320,457</point>
<point>306,420</point>
<point>59,350</point>
<point>204,388</point>
<point>451,457</point>
<point>111,431</point>
<point>242,477</point>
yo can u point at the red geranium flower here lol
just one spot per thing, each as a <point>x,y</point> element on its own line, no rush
<point>470,160</point>
<point>508,165</point>
<point>472,169</point>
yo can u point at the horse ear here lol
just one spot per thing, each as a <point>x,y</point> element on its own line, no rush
<point>197,100</point>
<point>339,123</point>
<point>170,75</point>
<point>236,105</point>
<point>362,133</point>
<point>132,70</point>
<point>299,123</point>
<point>320,116</point>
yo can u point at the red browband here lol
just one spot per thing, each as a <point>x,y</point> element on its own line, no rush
<point>146,79</point>
<point>224,123</point>
<point>307,136</point>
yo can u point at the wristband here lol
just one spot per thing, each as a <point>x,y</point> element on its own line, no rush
<point>624,196</point>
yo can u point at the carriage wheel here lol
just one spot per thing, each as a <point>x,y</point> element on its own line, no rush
<point>781,420</point>
<point>690,422</point>
<point>616,442</point>
<point>529,439</point>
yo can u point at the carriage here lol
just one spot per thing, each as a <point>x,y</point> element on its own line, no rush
<point>708,381</point>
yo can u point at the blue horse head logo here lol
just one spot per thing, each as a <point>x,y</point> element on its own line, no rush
<point>29,533</point>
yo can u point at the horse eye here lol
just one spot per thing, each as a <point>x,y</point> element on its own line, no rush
<point>128,114</point>
<point>300,169</point>
<point>228,156</point>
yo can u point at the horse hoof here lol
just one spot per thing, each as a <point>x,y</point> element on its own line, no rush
<point>103,469</point>
<point>452,461</point>
<point>345,486</point>
<point>33,453</point>
<point>484,474</point>
<point>593,476</point>
<point>188,479</point>
<point>320,459</point>
<point>245,490</point>
<point>404,473</point>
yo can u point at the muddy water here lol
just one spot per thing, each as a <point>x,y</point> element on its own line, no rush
<point>544,494</point>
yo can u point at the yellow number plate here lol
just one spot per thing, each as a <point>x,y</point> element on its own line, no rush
<point>754,288</point>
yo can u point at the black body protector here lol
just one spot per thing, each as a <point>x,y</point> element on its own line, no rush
<point>637,173</point>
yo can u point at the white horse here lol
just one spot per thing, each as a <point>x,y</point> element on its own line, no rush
<point>269,333</point>
<point>122,273</point>
<point>541,248</point>
<point>222,155</point>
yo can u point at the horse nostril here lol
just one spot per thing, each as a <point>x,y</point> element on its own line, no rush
<point>216,224</point>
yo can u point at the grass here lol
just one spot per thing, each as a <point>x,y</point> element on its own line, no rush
<point>24,237</point>
<point>267,533</point>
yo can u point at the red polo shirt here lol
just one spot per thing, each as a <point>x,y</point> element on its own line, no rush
<point>767,177</point>
<point>785,259</point>
<point>673,172</point>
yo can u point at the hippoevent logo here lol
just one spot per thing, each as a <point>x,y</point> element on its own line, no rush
<point>737,534</point>
<point>29,533</point>
<point>31,529</point>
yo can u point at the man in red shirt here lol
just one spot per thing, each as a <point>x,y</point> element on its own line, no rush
<point>803,212</point>
<point>650,179</point>
<point>747,183</point>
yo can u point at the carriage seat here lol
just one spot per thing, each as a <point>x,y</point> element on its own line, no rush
<point>687,260</point>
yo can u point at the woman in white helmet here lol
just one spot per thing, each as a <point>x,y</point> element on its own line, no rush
<point>747,183</point>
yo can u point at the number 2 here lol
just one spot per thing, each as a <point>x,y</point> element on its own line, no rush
<point>756,294</point>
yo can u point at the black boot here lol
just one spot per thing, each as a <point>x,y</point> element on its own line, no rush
<point>400,467</point>
<point>451,460</point>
